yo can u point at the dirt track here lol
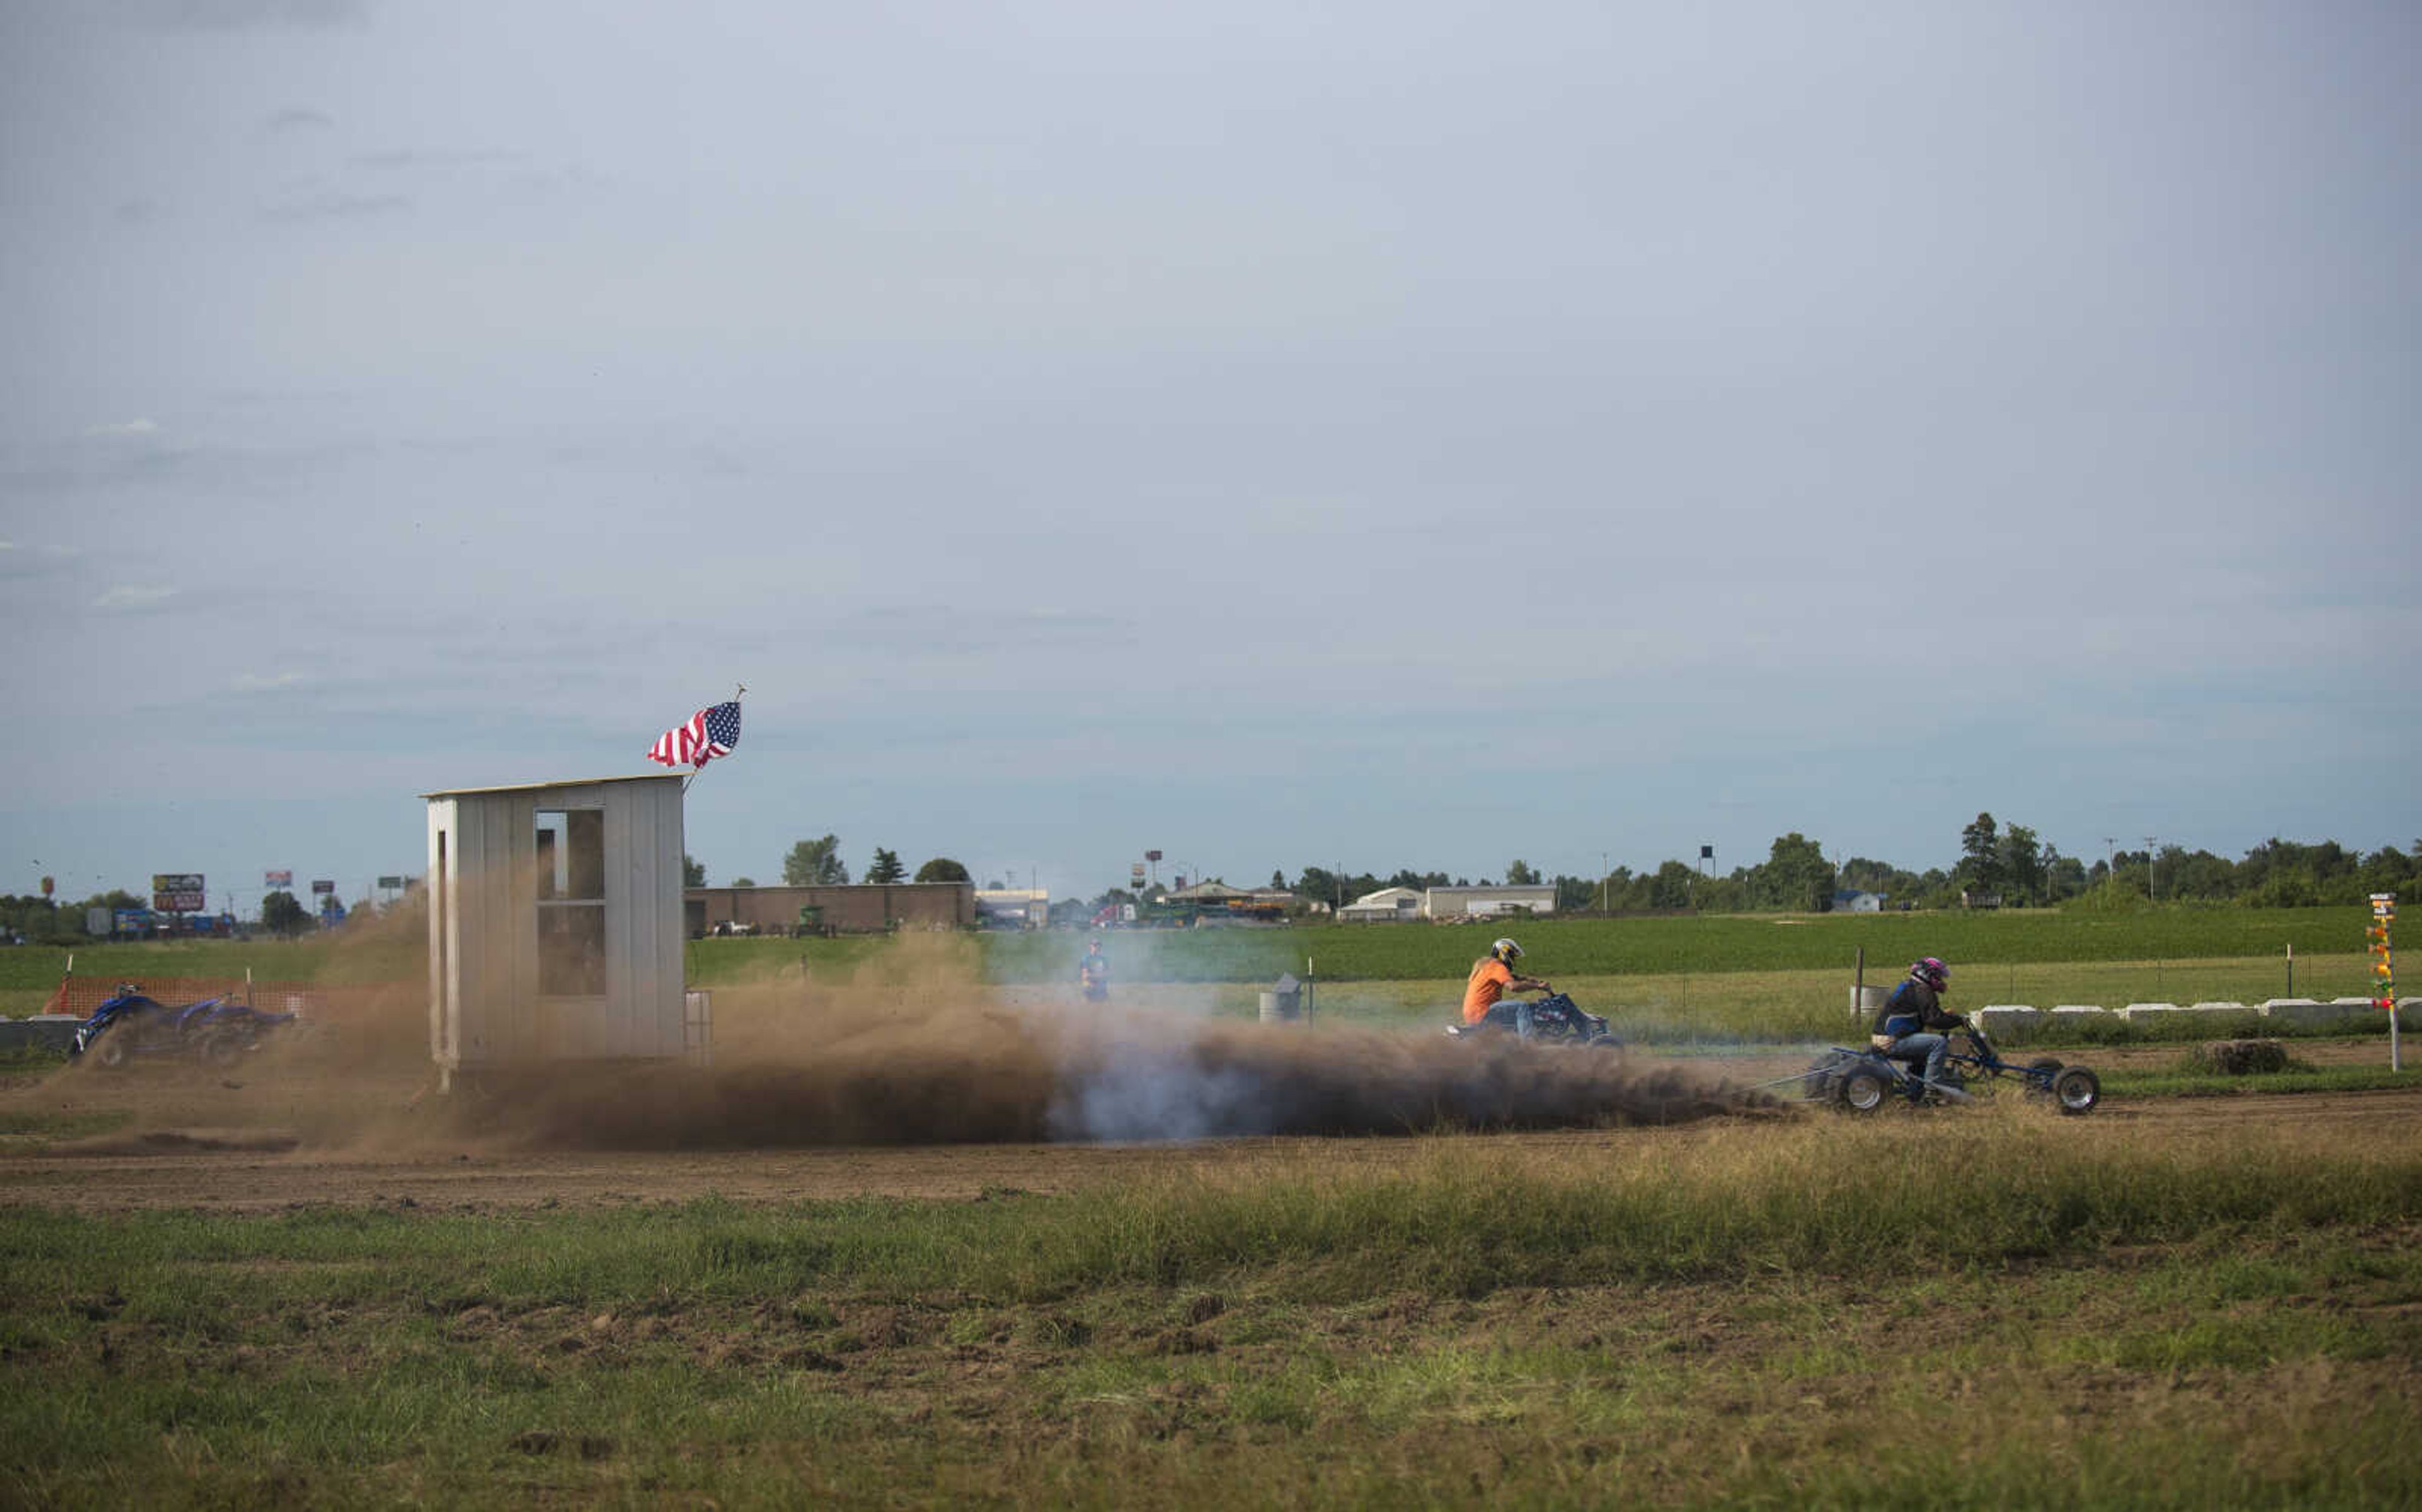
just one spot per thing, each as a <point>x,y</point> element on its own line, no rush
<point>356,1130</point>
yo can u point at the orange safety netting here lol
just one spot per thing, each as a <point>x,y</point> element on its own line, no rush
<point>81,995</point>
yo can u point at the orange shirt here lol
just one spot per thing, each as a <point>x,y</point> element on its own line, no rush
<point>1490,977</point>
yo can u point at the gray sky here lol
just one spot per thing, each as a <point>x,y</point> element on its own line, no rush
<point>1389,434</point>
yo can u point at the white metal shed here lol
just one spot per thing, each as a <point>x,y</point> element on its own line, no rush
<point>554,923</point>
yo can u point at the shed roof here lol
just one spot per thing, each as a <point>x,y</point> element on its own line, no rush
<point>569,782</point>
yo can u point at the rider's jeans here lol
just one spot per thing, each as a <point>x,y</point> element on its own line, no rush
<point>1931,1048</point>
<point>1517,1009</point>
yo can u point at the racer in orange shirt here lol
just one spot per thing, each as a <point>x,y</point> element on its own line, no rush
<point>1492,977</point>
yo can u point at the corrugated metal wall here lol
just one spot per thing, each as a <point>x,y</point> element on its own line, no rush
<point>486,1007</point>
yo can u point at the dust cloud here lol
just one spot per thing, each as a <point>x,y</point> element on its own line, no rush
<point>916,1049</point>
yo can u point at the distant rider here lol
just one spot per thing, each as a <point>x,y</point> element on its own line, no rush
<point>1492,977</point>
<point>1911,1027</point>
<point>1094,974</point>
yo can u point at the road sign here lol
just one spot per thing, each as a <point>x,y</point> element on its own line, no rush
<point>323,885</point>
<point>392,885</point>
<point>176,892</point>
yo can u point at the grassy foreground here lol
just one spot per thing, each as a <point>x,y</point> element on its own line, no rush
<point>1738,1316</point>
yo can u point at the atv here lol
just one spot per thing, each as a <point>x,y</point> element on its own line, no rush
<point>217,1030</point>
<point>1860,1080</point>
<point>1555,1020</point>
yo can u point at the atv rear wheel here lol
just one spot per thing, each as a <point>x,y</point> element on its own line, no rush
<point>2077,1090</point>
<point>1860,1089</point>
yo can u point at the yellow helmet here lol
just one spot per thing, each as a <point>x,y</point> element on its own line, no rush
<point>1507,951</point>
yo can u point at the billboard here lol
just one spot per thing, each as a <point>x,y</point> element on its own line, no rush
<point>176,892</point>
<point>392,885</point>
<point>323,885</point>
<point>278,879</point>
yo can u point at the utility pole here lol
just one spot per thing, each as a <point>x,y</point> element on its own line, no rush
<point>2152,892</point>
<point>1605,885</point>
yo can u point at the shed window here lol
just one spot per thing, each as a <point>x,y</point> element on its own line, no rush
<point>571,863</point>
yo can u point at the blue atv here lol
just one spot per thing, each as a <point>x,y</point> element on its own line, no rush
<point>217,1031</point>
<point>1861,1080</point>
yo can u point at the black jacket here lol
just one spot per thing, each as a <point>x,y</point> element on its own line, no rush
<point>1914,1000</point>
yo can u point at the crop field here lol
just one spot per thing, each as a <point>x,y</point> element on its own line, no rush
<point>923,1235</point>
<point>1630,947</point>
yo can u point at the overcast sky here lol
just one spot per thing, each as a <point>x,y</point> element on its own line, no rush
<point>1380,434</point>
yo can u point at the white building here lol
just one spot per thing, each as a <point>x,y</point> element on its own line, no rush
<point>554,924</point>
<point>1389,905</point>
<point>1012,908</point>
<point>1489,902</point>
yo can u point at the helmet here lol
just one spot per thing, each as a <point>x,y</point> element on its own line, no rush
<point>1507,951</point>
<point>1933,972</point>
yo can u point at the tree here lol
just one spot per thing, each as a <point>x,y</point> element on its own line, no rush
<point>281,914</point>
<point>1670,889</point>
<point>1980,856</point>
<point>885,868</point>
<point>1574,894</point>
<point>744,882</point>
<point>2022,864</point>
<point>1518,874</point>
<point>815,864</point>
<point>1278,882</point>
<point>1795,875</point>
<point>943,869</point>
<point>693,871</point>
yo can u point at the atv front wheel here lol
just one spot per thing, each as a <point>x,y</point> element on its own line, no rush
<point>110,1055</point>
<point>221,1052</point>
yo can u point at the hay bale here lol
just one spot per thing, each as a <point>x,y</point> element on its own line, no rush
<point>2241,1057</point>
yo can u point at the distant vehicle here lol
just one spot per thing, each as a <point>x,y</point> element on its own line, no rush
<point>217,1030</point>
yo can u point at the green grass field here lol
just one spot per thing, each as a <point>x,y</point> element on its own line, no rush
<point>1719,1321</point>
<point>1712,1317</point>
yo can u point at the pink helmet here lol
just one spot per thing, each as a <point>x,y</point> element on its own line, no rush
<point>1933,972</point>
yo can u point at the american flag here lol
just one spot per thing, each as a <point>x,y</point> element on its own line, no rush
<point>710,733</point>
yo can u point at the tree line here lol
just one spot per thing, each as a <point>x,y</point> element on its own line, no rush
<point>818,863</point>
<point>2009,866</point>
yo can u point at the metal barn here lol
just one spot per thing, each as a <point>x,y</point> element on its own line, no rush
<point>554,925</point>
